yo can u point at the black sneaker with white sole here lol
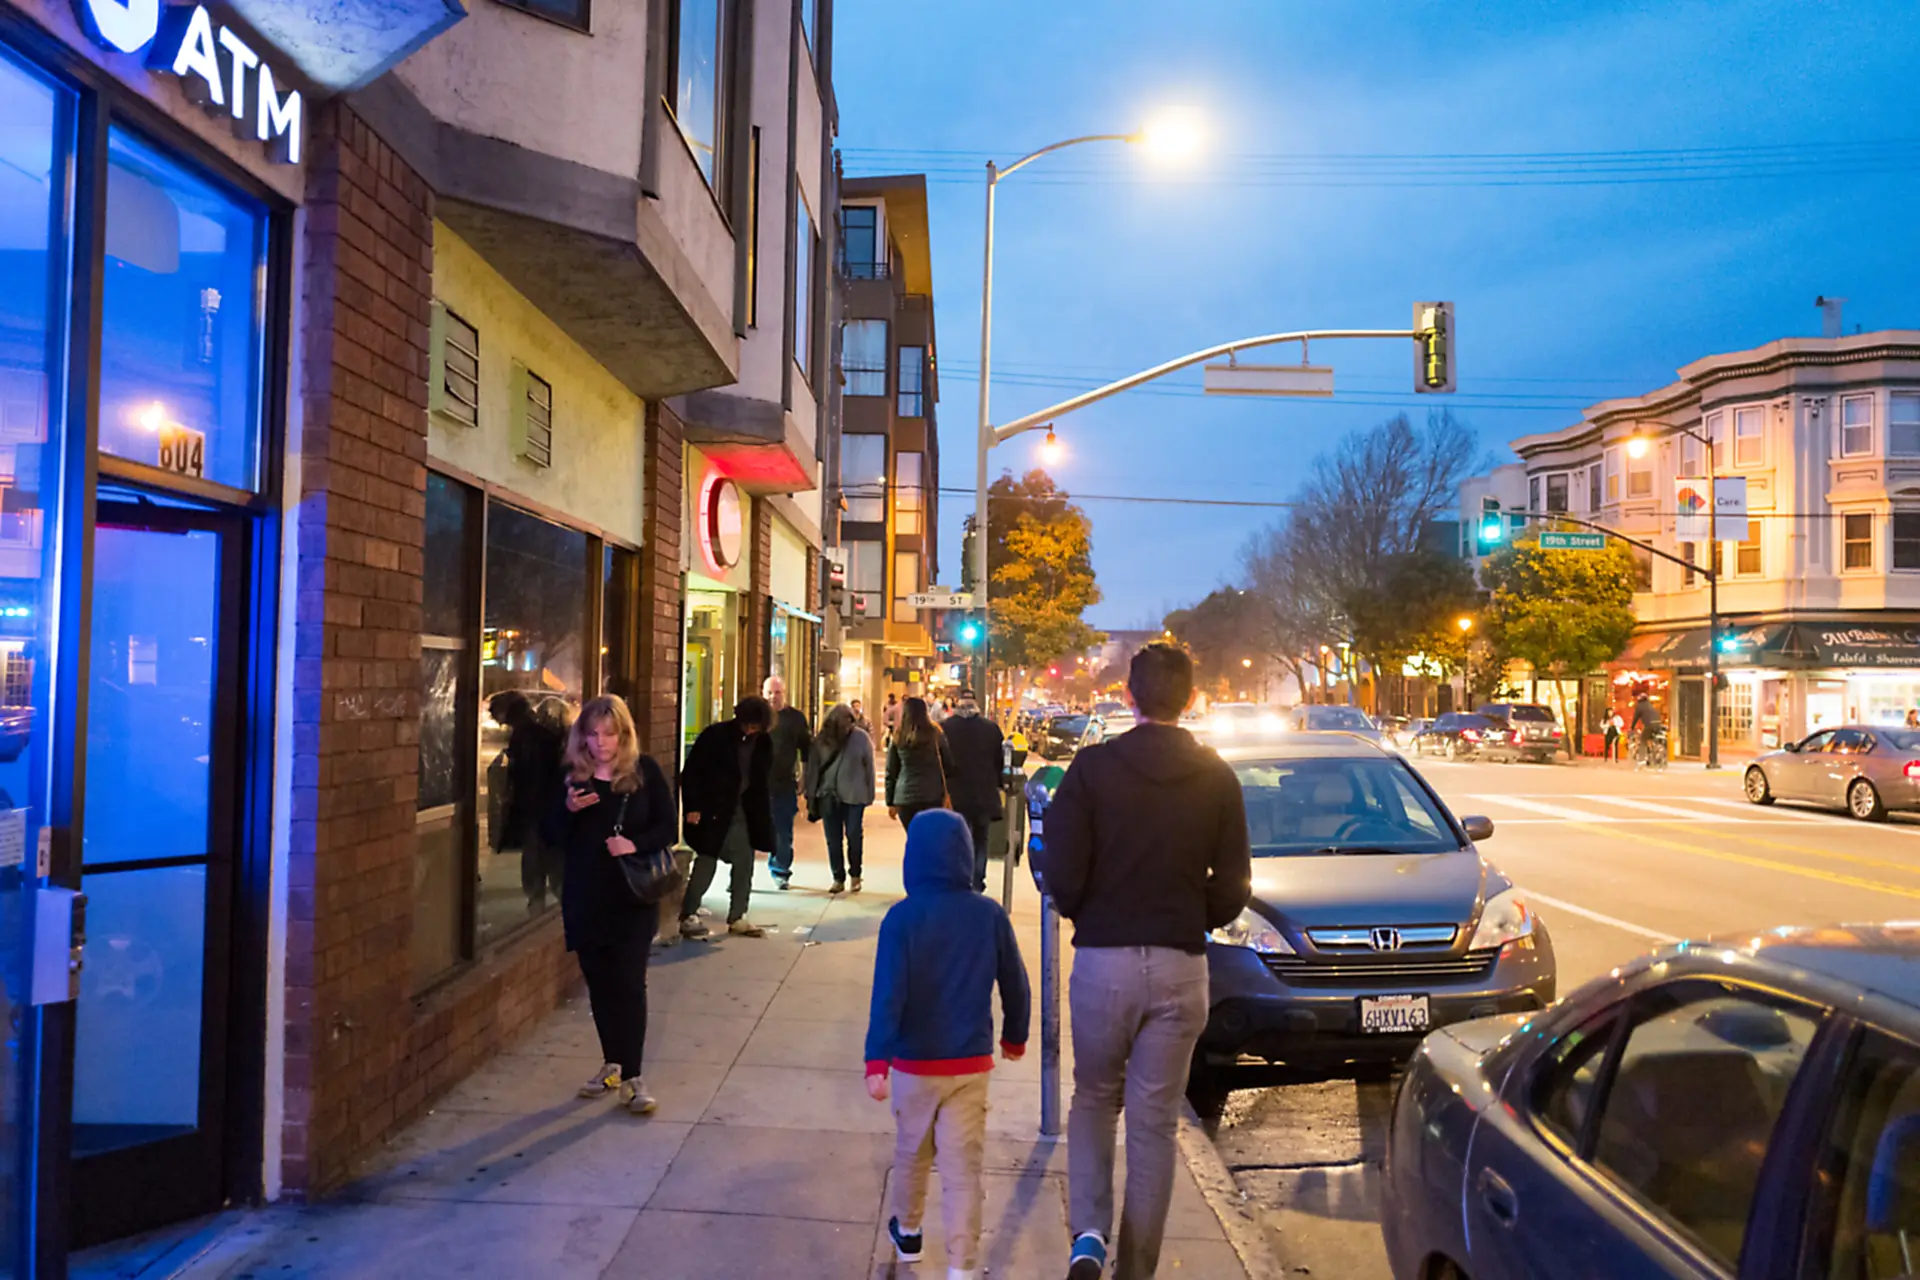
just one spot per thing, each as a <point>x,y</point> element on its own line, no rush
<point>905,1247</point>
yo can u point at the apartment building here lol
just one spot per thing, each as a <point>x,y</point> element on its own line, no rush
<point>1820,601</point>
<point>888,466</point>
<point>352,375</point>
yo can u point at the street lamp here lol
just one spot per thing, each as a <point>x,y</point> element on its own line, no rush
<point>1638,445</point>
<point>1051,450</point>
<point>1246,662</point>
<point>1173,132</point>
<point>1464,623</point>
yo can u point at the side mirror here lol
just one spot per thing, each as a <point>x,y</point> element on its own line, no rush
<point>1794,747</point>
<point>1477,828</point>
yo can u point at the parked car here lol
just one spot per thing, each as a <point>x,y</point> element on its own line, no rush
<point>1526,731</point>
<point>1059,738</point>
<point>1103,727</point>
<point>1108,707</point>
<point>1455,735</point>
<point>1321,719</point>
<point>1374,920</point>
<point>1868,770</point>
<point>1743,1107</point>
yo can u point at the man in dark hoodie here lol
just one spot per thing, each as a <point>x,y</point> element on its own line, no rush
<point>941,951</point>
<point>723,786</point>
<point>974,784</point>
<point>1146,851</point>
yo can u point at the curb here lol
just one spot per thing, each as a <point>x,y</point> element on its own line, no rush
<point>1244,1233</point>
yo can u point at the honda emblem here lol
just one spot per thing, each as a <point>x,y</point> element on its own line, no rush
<point>1385,939</point>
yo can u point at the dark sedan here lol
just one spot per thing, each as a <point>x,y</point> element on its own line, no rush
<point>1456,735</point>
<point>1749,1107</point>
<point>1060,737</point>
<point>1373,920</point>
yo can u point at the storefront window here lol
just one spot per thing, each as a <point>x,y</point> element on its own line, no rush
<point>447,706</point>
<point>708,691</point>
<point>181,327</point>
<point>1736,711</point>
<point>791,650</point>
<point>619,655</point>
<point>532,642</point>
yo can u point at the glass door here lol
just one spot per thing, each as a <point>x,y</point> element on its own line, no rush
<point>159,835</point>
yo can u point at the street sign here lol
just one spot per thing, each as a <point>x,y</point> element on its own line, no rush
<point>1268,380</point>
<point>1551,541</point>
<point>942,600</point>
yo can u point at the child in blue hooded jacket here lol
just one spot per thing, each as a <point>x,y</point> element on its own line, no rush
<point>941,950</point>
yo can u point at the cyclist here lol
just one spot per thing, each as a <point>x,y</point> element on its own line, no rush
<point>1645,728</point>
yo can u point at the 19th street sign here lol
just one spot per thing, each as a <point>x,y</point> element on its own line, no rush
<point>1573,541</point>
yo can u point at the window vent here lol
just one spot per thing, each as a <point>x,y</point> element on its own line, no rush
<point>453,389</point>
<point>533,417</point>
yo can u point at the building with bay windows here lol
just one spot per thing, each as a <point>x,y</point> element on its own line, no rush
<point>346,385</point>
<point>888,467</point>
<point>1820,600</point>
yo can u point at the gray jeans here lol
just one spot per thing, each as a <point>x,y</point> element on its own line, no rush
<point>1137,1013</point>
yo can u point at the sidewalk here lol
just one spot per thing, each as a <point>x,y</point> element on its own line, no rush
<point>766,1156</point>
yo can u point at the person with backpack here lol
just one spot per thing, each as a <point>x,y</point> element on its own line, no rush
<point>617,804</point>
<point>919,762</point>
<point>942,949</point>
<point>839,787</point>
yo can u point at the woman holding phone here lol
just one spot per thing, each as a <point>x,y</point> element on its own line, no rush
<point>617,804</point>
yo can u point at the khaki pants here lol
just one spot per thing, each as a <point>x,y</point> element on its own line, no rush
<point>941,1119</point>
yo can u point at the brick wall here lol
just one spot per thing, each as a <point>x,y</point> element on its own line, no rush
<point>363,1058</point>
<point>755,651</point>
<point>661,603</point>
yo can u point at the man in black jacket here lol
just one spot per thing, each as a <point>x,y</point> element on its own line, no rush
<point>1146,851</point>
<point>974,788</point>
<point>792,740</point>
<point>723,787</point>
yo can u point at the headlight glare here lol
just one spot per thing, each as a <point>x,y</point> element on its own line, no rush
<point>1506,918</point>
<point>1254,932</point>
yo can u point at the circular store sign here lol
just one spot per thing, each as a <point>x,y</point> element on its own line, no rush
<point>721,533</point>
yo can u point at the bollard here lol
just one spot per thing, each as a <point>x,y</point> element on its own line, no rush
<point>1049,1018</point>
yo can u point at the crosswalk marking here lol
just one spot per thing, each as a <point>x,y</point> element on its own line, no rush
<point>1785,813</point>
<point>1670,810</point>
<point>1551,810</point>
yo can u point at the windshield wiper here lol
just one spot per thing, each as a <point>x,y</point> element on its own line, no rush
<point>1354,848</point>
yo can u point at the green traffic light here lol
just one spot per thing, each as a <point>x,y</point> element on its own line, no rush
<point>1490,531</point>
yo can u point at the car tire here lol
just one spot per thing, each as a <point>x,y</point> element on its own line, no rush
<point>1208,1087</point>
<point>1756,787</point>
<point>1864,803</point>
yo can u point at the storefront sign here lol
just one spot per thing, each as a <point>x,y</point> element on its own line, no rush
<point>1871,647</point>
<point>1729,518</point>
<point>721,533</point>
<point>214,64</point>
<point>1690,510</point>
<point>1730,508</point>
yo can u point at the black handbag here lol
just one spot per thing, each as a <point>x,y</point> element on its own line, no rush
<point>647,876</point>
<point>816,808</point>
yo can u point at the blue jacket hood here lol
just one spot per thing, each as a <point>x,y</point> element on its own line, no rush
<point>939,854</point>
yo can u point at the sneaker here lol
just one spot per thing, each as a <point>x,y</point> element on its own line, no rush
<point>839,886</point>
<point>692,927</point>
<point>905,1247</point>
<point>635,1098</point>
<point>783,882</point>
<point>855,884</point>
<point>604,1082</point>
<point>745,928</point>
<point>1088,1261</point>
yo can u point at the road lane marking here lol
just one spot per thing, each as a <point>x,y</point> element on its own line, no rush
<point>1785,813</point>
<point>1808,851</point>
<point>1610,820</point>
<point>1551,810</point>
<point>1768,864</point>
<point>1670,810</point>
<point>1560,904</point>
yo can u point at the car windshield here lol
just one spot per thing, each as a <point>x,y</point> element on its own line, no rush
<point>1070,724</point>
<point>1337,718</point>
<point>1322,805</point>
<point>1530,713</point>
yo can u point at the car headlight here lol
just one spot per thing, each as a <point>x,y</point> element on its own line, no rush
<point>1254,932</point>
<point>1271,724</point>
<point>1507,918</point>
<point>1221,727</point>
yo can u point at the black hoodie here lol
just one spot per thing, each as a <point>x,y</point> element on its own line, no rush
<point>1145,843</point>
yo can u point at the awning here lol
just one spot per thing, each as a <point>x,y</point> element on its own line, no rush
<point>1787,646</point>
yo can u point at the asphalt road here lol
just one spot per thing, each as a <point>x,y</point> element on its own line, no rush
<point>1616,862</point>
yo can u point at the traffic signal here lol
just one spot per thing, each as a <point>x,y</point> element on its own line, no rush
<point>1433,346</point>
<point>835,560</point>
<point>1488,534</point>
<point>970,632</point>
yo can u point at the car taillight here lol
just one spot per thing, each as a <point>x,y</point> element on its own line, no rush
<point>1518,737</point>
<point>1471,735</point>
<point>1913,770</point>
<point>1558,732</point>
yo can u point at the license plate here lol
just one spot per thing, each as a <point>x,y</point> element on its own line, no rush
<point>1389,1015</point>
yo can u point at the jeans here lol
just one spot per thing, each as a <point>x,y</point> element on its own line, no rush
<point>786,807</point>
<point>1137,1014</point>
<point>739,879</point>
<point>844,822</point>
<point>980,824</point>
<point>540,865</point>
<point>908,812</point>
<point>616,975</point>
<point>943,1120</point>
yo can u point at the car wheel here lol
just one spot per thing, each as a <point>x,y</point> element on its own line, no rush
<point>1208,1087</point>
<point>1863,802</point>
<point>1758,792</point>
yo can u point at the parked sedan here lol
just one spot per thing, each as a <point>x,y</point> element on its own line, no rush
<point>1060,736</point>
<point>1867,770</point>
<point>1374,919</point>
<point>1748,1107</point>
<point>1455,735</point>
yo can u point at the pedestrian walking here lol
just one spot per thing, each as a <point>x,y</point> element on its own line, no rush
<point>839,787</point>
<point>974,781</point>
<point>890,716</point>
<point>617,803</point>
<point>1146,852</point>
<point>791,738</point>
<point>522,785</point>
<point>860,716</point>
<point>941,951</point>
<point>729,814</point>
<point>1616,726</point>
<point>919,762</point>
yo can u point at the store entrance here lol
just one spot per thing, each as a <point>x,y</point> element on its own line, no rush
<point>160,834</point>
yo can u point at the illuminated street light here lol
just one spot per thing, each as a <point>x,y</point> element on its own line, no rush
<point>1051,450</point>
<point>1464,623</point>
<point>1246,662</point>
<point>1174,133</point>
<point>1637,444</point>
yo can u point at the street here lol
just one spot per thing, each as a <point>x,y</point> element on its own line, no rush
<point>1615,862</point>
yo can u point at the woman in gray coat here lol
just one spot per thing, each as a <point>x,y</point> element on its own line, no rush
<point>839,786</point>
<point>919,762</point>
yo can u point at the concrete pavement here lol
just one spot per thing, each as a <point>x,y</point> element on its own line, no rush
<point>766,1157</point>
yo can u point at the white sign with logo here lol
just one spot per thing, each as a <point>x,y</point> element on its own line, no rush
<point>217,67</point>
<point>1730,508</point>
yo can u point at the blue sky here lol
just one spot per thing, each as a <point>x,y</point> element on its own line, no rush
<point>1568,291</point>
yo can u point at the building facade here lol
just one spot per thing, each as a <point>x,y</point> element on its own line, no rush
<point>1820,601</point>
<point>346,385</point>
<point>888,495</point>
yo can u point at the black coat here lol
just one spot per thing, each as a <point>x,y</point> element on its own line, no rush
<point>594,904</point>
<point>710,787</point>
<point>917,773</point>
<point>974,782</point>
